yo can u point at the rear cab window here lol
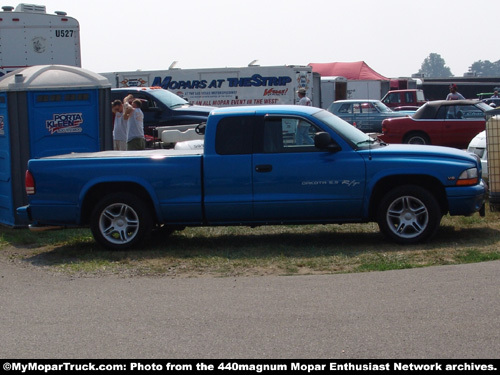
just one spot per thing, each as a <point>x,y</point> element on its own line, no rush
<point>235,135</point>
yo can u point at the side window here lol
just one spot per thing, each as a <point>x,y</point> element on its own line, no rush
<point>457,112</point>
<point>469,112</point>
<point>345,108</point>
<point>409,97</point>
<point>234,136</point>
<point>368,108</point>
<point>443,112</point>
<point>147,102</point>
<point>392,98</point>
<point>288,135</point>
<point>356,108</point>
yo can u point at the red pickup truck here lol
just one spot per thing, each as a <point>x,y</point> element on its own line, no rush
<point>399,100</point>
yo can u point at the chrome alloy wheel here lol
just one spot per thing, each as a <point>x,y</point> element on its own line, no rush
<point>119,223</point>
<point>407,217</point>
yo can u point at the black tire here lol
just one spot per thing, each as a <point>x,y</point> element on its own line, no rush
<point>121,221</point>
<point>409,214</point>
<point>417,138</point>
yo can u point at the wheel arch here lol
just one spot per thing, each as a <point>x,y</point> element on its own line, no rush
<point>429,183</point>
<point>100,190</point>
<point>411,133</point>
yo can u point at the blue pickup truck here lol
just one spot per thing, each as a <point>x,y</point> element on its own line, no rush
<point>259,166</point>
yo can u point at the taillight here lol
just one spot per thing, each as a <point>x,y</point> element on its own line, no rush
<point>384,127</point>
<point>29,183</point>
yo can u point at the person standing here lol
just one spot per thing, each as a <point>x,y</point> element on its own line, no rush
<point>119,127</point>
<point>303,99</point>
<point>495,95</point>
<point>135,127</point>
<point>454,94</point>
<point>302,136</point>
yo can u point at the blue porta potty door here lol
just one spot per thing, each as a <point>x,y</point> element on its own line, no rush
<point>44,111</point>
<point>63,122</point>
<point>6,208</point>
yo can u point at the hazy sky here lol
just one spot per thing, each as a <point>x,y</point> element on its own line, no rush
<point>393,36</point>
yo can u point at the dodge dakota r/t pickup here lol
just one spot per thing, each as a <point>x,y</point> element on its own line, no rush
<point>260,165</point>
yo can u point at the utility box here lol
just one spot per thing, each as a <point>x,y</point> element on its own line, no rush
<point>493,150</point>
<point>48,110</point>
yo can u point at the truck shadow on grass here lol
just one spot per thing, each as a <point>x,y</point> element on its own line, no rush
<point>221,251</point>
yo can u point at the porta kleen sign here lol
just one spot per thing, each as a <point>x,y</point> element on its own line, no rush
<point>225,87</point>
<point>65,123</point>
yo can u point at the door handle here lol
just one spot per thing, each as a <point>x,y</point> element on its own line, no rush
<point>264,168</point>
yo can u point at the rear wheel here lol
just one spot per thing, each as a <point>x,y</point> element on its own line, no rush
<point>120,221</point>
<point>417,138</point>
<point>409,214</point>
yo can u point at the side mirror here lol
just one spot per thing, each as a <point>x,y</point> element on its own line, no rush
<point>323,141</point>
<point>200,129</point>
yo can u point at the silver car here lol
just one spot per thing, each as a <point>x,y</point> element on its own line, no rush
<point>365,114</point>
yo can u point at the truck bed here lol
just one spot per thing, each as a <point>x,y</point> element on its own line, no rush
<point>173,178</point>
<point>154,154</point>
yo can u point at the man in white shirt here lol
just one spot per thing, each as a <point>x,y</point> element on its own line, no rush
<point>135,127</point>
<point>119,127</point>
<point>303,99</point>
<point>454,94</point>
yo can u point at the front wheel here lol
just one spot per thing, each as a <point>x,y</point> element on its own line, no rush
<point>418,138</point>
<point>409,214</point>
<point>120,221</point>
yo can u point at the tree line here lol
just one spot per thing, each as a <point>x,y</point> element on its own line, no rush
<point>434,66</point>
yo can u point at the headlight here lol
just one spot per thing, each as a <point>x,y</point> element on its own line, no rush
<point>468,177</point>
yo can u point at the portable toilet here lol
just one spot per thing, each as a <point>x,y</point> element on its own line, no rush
<point>493,149</point>
<point>48,110</point>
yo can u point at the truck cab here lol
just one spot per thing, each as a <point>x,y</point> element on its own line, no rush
<point>399,100</point>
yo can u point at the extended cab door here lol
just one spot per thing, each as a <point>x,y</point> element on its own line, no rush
<point>293,181</point>
<point>227,170</point>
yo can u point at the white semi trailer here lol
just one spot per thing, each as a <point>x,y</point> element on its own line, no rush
<point>30,36</point>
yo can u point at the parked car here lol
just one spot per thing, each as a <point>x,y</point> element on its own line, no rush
<point>450,123</point>
<point>399,100</point>
<point>478,146</point>
<point>367,115</point>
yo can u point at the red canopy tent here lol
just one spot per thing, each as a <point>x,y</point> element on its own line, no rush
<point>358,70</point>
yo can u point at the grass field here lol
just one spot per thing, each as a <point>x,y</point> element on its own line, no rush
<point>243,251</point>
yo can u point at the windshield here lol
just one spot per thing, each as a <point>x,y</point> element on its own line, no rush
<point>483,106</point>
<point>382,107</point>
<point>344,129</point>
<point>169,99</point>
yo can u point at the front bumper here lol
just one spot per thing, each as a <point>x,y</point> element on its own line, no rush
<point>466,200</point>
